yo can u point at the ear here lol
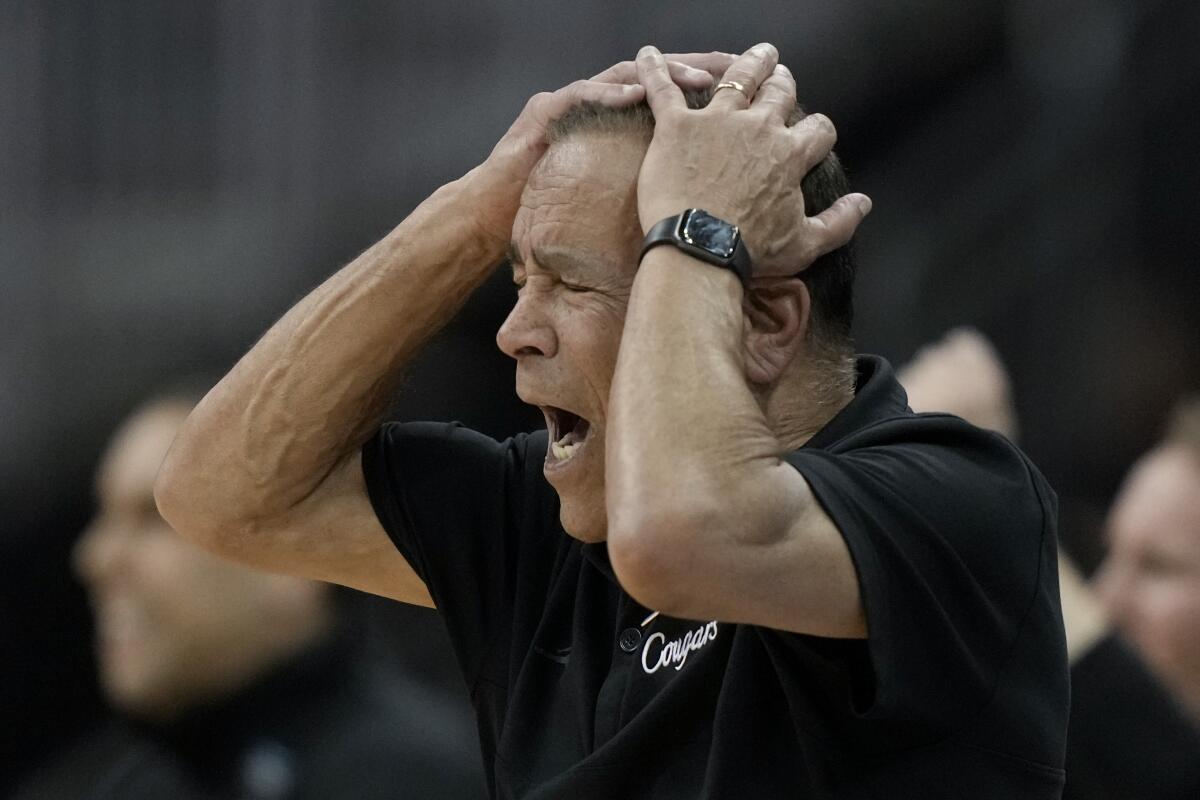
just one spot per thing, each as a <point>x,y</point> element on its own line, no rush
<point>777,315</point>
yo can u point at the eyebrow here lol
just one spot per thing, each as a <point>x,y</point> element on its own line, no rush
<point>561,261</point>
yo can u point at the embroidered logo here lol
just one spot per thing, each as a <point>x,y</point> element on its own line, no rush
<point>659,653</point>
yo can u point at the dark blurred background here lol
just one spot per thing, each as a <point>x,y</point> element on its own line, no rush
<point>173,175</point>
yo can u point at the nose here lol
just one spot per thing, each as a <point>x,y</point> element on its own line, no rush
<point>527,330</point>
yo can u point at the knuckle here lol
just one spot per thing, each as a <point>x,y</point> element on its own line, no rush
<point>824,124</point>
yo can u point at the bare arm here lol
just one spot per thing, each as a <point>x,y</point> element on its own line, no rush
<point>705,520</point>
<point>267,470</point>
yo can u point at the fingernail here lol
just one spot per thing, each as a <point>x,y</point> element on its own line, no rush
<point>649,51</point>
<point>762,48</point>
<point>864,205</point>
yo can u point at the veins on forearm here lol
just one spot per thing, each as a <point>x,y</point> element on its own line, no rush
<point>323,376</point>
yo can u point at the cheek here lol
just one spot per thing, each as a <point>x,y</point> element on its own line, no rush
<point>593,332</point>
<point>1175,615</point>
<point>1167,620</point>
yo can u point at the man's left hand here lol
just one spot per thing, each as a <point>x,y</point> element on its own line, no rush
<point>739,160</point>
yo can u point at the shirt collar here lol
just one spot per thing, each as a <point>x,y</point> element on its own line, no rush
<point>877,396</point>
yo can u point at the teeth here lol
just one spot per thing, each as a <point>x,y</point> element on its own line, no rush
<point>564,451</point>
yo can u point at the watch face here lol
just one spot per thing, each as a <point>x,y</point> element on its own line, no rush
<point>705,231</point>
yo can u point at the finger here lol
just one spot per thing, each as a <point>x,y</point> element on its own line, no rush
<point>527,135</point>
<point>661,92</point>
<point>609,94</point>
<point>815,137</point>
<point>835,226</point>
<point>748,70</point>
<point>777,96</point>
<point>684,75</point>
<point>714,63</point>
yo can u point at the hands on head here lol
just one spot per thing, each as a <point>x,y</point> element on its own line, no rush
<point>737,158</point>
<point>508,166</point>
<point>740,160</point>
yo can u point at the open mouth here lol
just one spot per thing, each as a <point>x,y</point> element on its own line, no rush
<point>568,432</point>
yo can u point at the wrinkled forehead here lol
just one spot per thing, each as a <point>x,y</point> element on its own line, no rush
<point>581,200</point>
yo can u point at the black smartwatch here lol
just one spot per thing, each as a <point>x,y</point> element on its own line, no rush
<point>700,234</point>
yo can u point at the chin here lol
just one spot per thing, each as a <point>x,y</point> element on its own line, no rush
<point>584,521</point>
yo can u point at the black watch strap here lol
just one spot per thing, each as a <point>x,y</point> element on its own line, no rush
<point>700,234</point>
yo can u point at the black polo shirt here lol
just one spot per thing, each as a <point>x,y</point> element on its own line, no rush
<point>960,691</point>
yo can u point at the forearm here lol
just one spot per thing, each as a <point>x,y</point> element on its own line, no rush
<point>688,439</point>
<point>317,383</point>
<point>705,517</point>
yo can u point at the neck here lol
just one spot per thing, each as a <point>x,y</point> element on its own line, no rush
<point>807,399</point>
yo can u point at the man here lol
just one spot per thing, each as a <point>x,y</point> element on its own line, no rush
<point>231,682</point>
<point>735,565</point>
<point>1150,580</point>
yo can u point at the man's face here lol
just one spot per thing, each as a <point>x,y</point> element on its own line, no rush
<point>1150,581</point>
<point>175,626</point>
<point>575,246</point>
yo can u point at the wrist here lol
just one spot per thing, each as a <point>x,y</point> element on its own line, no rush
<point>462,221</point>
<point>487,200</point>
<point>705,237</point>
<point>677,272</point>
<point>441,245</point>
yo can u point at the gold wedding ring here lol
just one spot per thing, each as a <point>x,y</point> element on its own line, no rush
<point>732,85</point>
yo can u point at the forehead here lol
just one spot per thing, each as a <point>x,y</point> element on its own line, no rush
<point>1160,503</point>
<point>579,207</point>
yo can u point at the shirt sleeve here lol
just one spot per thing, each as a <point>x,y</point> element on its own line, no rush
<point>951,531</point>
<point>464,510</point>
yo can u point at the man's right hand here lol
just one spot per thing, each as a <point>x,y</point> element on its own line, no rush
<point>496,185</point>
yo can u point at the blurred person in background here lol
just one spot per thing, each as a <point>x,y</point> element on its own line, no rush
<point>735,564</point>
<point>1128,738</point>
<point>1150,579</point>
<point>232,683</point>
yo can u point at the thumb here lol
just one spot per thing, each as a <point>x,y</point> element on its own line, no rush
<point>836,225</point>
